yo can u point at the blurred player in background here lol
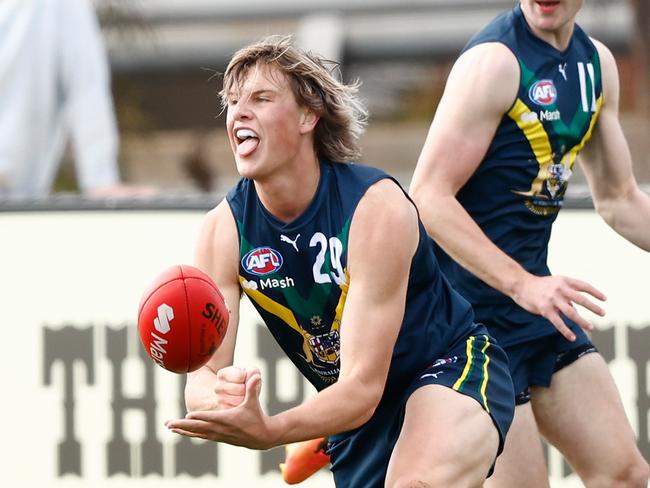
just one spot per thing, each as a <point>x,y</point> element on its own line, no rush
<point>54,84</point>
<point>334,258</point>
<point>529,93</point>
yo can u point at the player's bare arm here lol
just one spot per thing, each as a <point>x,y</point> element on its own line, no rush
<point>379,264</point>
<point>218,384</point>
<point>460,134</point>
<point>458,139</point>
<point>383,239</point>
<point>607,164</point>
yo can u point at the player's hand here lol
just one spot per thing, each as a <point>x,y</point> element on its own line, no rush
<point>230,387</point>
<point>245,425</point>
<point>554,296</point>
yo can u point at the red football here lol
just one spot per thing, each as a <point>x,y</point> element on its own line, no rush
<point>182,319</point>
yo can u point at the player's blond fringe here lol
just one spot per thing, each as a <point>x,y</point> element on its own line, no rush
<point>343,116</point>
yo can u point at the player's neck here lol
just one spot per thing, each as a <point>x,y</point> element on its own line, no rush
<point>288,194</point>
<point>555,31</point>
<point>558,38</point>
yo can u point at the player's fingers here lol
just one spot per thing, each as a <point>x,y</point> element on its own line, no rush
<point>195,424</point>
<point>230,389</point>
<point>233,374</point>
<point>559,324</point>
<point>204,423</point>
<point>573,314</point>
<point>587,288</point>
<point>229,401</point>
<point>583,301</point>
<point>251,371</point>
<point>188,433</point>
<point>212,425</point>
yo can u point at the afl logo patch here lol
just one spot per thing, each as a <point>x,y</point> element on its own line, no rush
<point>543,93</point>
<point>262,261</point>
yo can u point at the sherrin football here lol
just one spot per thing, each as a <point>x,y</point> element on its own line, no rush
<point>182,319</point>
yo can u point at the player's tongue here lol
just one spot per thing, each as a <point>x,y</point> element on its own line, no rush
<point>247,142</point>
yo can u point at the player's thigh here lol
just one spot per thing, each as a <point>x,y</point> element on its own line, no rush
<point>522,461</point>
<point>581,409</point>
<point>447,439</point>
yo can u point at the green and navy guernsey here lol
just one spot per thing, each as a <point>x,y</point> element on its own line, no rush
<point>518,189</point>
<point>295,274</point>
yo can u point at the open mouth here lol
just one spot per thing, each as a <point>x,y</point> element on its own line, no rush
<point>247,141</point>
<point>547,6</point>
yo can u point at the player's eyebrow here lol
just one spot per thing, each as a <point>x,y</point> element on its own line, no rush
<point>254,93</point>
<point>263,91</point>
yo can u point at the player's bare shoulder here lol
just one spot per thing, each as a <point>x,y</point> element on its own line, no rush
<point>609,70</point>
<point>384,215</point>
<point>493,61</point>
<point>489,72</point>
<point>218,244</point>
<point>604,53</point>
<point>385,199</point>
<point>219,219</point>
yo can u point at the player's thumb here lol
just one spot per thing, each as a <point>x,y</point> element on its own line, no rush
<point>250,372</point>
<point>253,386</point>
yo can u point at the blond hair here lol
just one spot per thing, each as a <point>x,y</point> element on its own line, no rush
<point>342,115</point>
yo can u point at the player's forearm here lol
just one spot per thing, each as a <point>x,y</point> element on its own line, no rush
<point>456,232</point>
<point>344,406</point>
<point>628,215</point>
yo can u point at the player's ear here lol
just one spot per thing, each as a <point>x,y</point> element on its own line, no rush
<point>308,120</point>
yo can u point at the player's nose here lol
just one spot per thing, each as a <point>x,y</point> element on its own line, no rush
<point>241,110</point>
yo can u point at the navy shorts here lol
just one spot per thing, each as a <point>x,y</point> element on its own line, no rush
<point>534,363</point>
<point>476,367</point>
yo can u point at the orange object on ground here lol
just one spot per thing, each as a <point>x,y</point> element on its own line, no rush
<point>303,459</point>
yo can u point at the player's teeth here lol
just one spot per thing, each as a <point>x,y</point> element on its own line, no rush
<point>245,133</point>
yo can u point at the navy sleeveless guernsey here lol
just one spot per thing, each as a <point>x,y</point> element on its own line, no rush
<point>518,189</point>
<point>295,274</point>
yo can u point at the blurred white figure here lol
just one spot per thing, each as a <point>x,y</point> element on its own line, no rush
<point>55,85</point>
